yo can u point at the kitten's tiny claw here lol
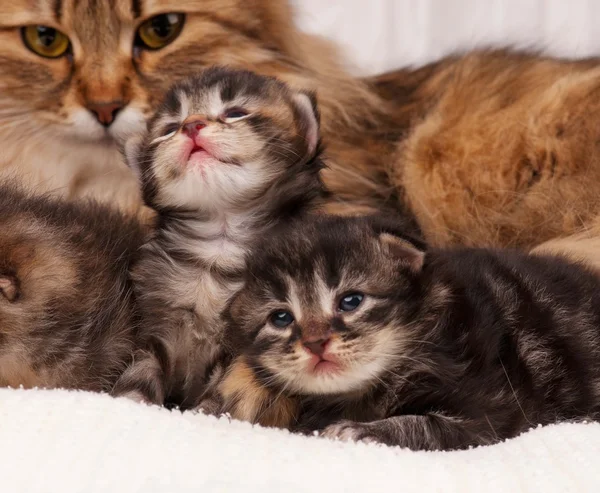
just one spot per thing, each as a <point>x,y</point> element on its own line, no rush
<point>210,407</point>
<point>350,431</point>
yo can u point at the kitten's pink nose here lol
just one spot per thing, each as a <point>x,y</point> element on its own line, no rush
<point>105,113</point>
<point>317,347</point>
<point>192,128</point>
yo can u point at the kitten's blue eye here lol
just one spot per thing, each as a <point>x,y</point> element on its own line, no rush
<point>281,319</point>
<point>235,113</point>
<point>350,302</point>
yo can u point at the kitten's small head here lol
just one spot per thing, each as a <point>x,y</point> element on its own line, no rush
<point>327,306</point>
<point>223,138</point>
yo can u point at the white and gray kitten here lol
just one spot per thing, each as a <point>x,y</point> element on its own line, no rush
<point>228,156</point>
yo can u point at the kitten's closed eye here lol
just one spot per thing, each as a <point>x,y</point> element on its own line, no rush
<point>235,113</point>
<point>350,302</point>
<point>281,319</point>
<point>170,129</point>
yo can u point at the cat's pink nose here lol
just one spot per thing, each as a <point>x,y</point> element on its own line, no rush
<point>192,128</point>
<point>317,347</point>
<point>105,113</point>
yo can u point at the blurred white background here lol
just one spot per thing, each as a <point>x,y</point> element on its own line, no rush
<point>383,34</point>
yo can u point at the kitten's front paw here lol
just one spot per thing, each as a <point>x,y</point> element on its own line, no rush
<point>350,431</point>
<point>210,406</point>
<point>136,396</point>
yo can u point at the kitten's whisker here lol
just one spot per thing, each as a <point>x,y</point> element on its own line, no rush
<point>401,377</point>
<point>399,357</point>
<point>513,391</point>
<point>496,436</point>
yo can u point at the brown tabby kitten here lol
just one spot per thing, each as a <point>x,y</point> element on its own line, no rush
<point>66,306</point>
<point>228,156</point>
<point>436,350</point>
<point>489,148</point>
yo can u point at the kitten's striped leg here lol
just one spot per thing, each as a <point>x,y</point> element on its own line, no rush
<point>143,381</point>
<point>211,401</point>
<point>428,432</point>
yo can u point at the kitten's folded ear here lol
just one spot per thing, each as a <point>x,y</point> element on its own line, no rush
<point>403,250</point>
<point>395,242</point>
<point>308,111</point>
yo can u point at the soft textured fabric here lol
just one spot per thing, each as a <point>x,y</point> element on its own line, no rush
<point>67,442</point>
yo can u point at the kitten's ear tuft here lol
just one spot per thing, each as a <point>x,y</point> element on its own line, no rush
<point>401,249</point>
<point>132,150</point>
<point>306,104</point>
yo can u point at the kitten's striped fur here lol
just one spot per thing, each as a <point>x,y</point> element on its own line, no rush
<point>262,169</point>
<point>67,313</point>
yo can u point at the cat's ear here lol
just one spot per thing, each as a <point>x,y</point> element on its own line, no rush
<point>132,150</point>
<point>396,239</point>
<point>402,249</point>
<point>308,111</point>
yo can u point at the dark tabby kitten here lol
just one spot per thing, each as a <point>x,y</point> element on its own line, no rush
<point>228,156</point>
<point>67,314</point>
<point>436,350</point>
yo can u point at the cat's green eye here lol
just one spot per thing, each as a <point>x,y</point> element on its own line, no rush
<point>160,30</point>
<point>45,41</point>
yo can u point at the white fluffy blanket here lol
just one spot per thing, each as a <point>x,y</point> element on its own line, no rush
<point>67,442</point>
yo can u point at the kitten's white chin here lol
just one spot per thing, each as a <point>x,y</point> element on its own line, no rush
<point>335,378</point>
<point>340,381</point>
<point>353,374</point>
<point>209,184</point>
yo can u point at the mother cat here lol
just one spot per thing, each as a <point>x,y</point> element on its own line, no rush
<point>494,148</point>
